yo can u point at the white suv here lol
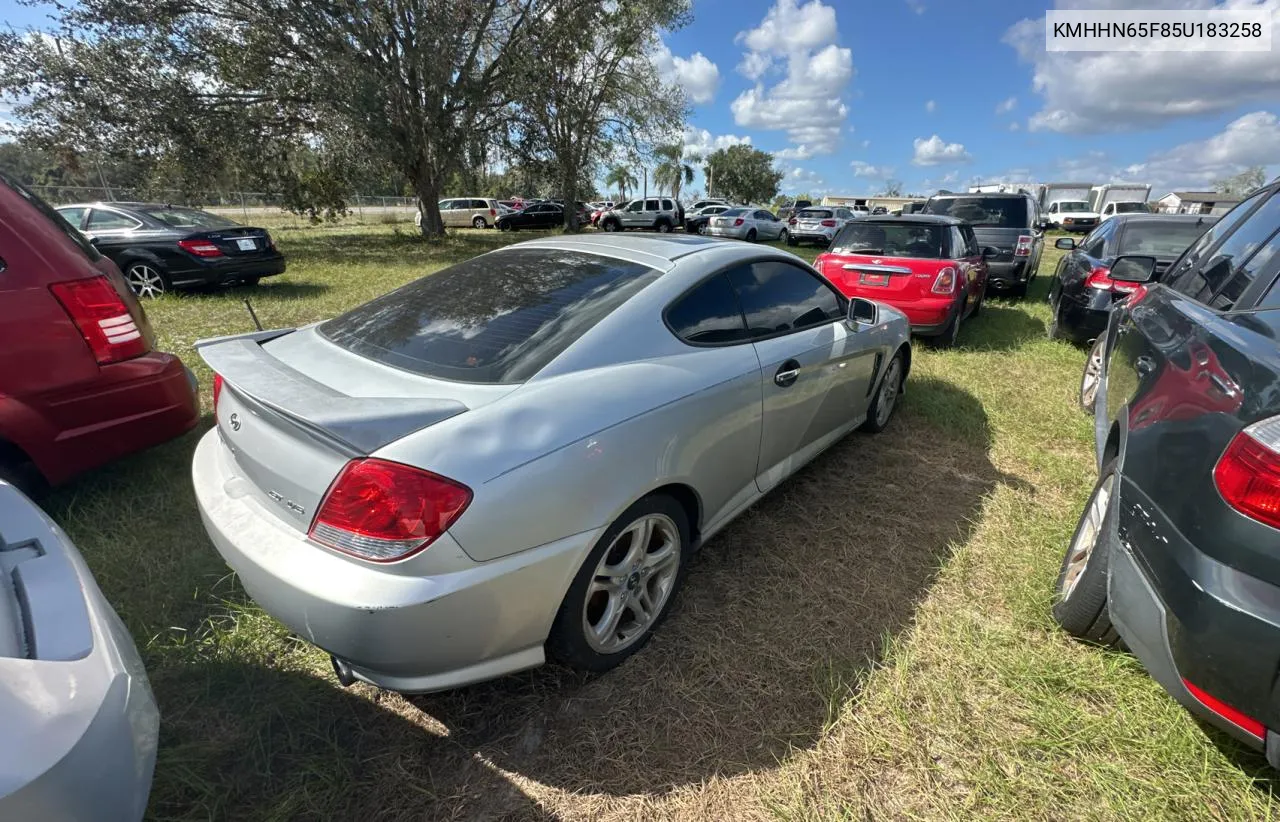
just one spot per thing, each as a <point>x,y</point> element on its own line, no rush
<point>657,213</point>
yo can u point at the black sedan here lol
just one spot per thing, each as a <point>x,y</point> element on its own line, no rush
<point>1083,287</point>
<point>163,247</point>
<point>538,215</point>
<point>697,223</point>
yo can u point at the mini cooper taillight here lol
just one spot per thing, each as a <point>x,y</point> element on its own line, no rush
<point>385,511</point>
<point>945,282</point>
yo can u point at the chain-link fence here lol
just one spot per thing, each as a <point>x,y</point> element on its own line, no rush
<point>246,205</point>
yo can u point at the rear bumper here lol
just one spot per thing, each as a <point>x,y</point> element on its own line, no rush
<point>1185,615</point>
<point>1007,274</point>
<point>432,628</point>
<point>226,269</point>
<point>1084,320</point>
<point>928,316</point>
<point>733,233</point>
<point>132,405</point>
<point>823,237</point>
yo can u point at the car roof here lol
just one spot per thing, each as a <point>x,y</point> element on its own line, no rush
<point>131,205</point>
<point>979,195</point>
<point>926,219</point>
<point>1122,219</point>
<point>666,248</point>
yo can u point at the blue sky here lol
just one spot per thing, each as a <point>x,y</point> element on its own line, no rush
<point>940,93</point>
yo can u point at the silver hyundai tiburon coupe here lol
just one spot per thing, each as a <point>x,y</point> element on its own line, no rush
<point>517,455</point>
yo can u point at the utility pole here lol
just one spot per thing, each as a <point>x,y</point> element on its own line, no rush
<point>646,182</point>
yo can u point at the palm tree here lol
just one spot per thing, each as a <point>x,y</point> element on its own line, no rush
<point>621,177</point>
<point>672,171</point>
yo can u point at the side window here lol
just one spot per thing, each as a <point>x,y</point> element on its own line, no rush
<point>1097,239</point>
<point>1183,275</point>
<point>1053,209</point>
<point>958,248</point>
<point>650,205</point>
<point>100,220</point>
<point>971,241</point>
<point>479,205</point>
<point>709,314</point>
<point>1223,277</point>
<point>637,206</point>
<point>779,297</point>
<point>445,205</point>
<point>75,216</point>
<point>667,205</point>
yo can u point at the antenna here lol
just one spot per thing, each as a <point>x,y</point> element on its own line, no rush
<point>249,306</point>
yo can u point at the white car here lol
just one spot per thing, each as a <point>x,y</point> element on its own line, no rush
<point>748,224</point>
<point>78,720</point>
<point>817,224</point>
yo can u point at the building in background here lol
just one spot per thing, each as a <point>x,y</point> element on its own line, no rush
<point>1197,202</point>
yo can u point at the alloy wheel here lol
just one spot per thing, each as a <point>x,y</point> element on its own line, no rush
<point>144,280</point>
<point>1092,376</point>
<point>702,229</point>
<point>1087,536</point>
<point>632,584</point>
<point>889,390</point>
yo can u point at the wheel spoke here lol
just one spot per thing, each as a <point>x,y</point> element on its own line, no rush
<point>606,629</point>
<point>641,533</point>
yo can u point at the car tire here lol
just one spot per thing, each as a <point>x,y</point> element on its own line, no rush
<point>1080,593</point>
<point>791,241</point>
<point>663,227</point>
<point>504,226</point>
<point>147,279</point>
<point>977,307</point>
<point>950,334</point>
<point>610,225</point>
<point>479,222</point>
<point>1091,377</point>
<point>588,604</point>
<point>1055,323</point>
<point>751,236</point>
<point>886,398</point>
<point>703,228</point>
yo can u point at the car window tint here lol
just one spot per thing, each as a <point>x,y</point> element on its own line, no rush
<point>956,240</point>
<point>667,205</point>
<point>1224,275</point>
<point>1183,275</point>
<point>1003,212</point>
<point>1160,239</point>
<point>778,297</point>
<point>75,216</point>
<point>971,241</point>
<point>650,205</point>
<point>1096,241</point>
<point>709,314</point>
<point>189,218</point>
<point>497,318</point>
<point>1244,274</point>
<point>101,220</point>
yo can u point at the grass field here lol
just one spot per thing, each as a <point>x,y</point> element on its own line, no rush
<point>871,641</point>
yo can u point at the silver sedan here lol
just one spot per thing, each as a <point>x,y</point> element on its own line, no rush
<point>79,723</point>
<point>516,456</point>
<point>748,224</point>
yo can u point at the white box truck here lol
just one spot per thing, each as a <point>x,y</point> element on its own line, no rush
<point>1066,206</point>
<point>1119,198</point>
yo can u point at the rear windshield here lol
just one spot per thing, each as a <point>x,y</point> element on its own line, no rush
<point>1157,239</point>
<point>497,318</point>
<point>998,212</point>
<point>890,239</point>
<point>736,212</point>
<point>59,222</point>
<point>1131,208</point>
<point>189,218</point>
<point>816,213</point>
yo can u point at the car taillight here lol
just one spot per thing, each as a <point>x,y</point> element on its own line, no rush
<point>103,319</point>
<point>1023,248</point>
<point>738,221</point>
<point>493,212</point>
<point>1100,278</point>
<point>384,511</point>
<point>1248,472</point>
<point>829,223</point>
<point>792,221</point>
<point>945,282</point>
<point>1238,718</point>
<point>200,248</point>
<point>217,392</point>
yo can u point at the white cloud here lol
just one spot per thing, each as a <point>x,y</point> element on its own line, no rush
<point>916,6</point>
<point>1015,126</point>
<point>1251,140</point>
<point>935,151</point>
<point>698,142</point>
<point>799,153</point>
<point>807,102</point>
<point>861,169</point>
<point>866,144</point>
<point>1091,92</point>
<point>1007,105</point>
<point>931,106</point>
<point>803,178</point>
<point>698,76</point>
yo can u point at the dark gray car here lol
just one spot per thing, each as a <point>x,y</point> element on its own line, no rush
<point>1010,223</point>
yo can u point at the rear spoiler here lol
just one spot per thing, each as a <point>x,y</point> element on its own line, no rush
<point>354,425</point>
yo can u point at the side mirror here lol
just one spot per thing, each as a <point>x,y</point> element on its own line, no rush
<point>1065,243</point>
<point>1133,269</point>
<point>863,312</point>
<point>990,251</point>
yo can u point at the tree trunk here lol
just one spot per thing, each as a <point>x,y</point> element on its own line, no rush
<point>428,190</point>
<point>569,191</point>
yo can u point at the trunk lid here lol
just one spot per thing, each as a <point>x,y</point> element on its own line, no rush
<point>294,409</point>
<point>882,278</point>
<point>1002,239</point>
<point>241,242</point>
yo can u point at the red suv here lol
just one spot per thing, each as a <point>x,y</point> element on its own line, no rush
<point>80,380</point>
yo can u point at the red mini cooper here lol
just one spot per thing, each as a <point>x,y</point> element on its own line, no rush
<point>928,267</point>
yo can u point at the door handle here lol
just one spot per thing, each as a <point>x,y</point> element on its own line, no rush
<point>1145,365</point>
<point>787,374</point>
<point>1225,386</point>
